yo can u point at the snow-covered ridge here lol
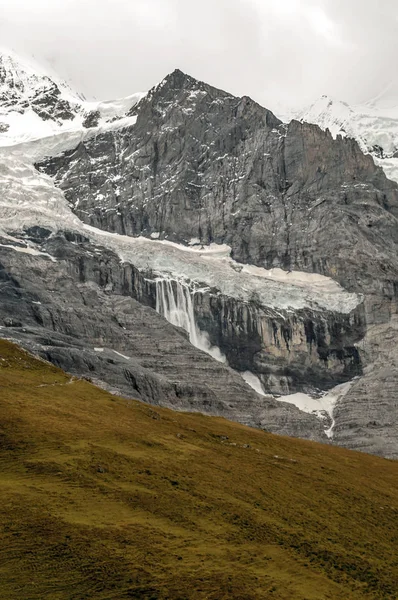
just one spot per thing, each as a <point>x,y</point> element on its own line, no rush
<point>36,104</point>
<point>373,126</point>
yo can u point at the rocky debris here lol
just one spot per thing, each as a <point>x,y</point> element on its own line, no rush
<point>92,119</point>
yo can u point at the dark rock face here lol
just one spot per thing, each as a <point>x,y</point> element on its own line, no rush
<point>200,163</point>
<point>50,106</point>
<point>92,119</point>
<point>368,414</point>
<point>78,313</point>
<point>289,351</point>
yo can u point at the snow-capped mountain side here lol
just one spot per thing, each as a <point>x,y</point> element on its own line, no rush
<point>275,244</point>
<point>36,105</point>
<point>68,295</point>
<point>373,126</point>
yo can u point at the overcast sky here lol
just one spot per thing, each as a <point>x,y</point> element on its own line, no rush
<point>280,52</point>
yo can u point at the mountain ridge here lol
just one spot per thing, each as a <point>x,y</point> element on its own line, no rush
<point>375,128</point>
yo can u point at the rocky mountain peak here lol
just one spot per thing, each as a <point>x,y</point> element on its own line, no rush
<point>181,97</point>
<point>26,87</point>
<point>179,79</point>
<point>180,87</point>
<point>197,210</point>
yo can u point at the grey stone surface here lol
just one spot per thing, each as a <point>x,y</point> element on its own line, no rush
<point>77,313</point>
<point>366,418</point>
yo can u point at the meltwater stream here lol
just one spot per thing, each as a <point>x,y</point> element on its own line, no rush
<point>174,303</point>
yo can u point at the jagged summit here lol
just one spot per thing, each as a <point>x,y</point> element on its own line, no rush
<point>183,93</point>
<point>36,104</point>
<point>24,83</point>
<point>33,102</point>
<point>178,82</point>
<point>374,127</point>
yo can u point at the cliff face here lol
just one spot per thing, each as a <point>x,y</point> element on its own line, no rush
<point>72,304</point>
<point>289,350</point>
<point>202,164</point>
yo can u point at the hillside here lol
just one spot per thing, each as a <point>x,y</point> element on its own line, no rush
<point>109,498</point>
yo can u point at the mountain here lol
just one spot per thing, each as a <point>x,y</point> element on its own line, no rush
<point>35,104</point>
<point>107,498</point>
<point>374,125</point>
<point>197,226</point>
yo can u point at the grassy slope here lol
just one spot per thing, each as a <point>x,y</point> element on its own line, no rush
<point>106,498</point>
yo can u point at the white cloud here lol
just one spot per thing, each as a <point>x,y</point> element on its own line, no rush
<point>278,51</point>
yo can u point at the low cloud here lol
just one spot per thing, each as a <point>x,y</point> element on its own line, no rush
<point>282,53</point>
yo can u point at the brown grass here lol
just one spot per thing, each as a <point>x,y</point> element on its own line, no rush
<point>104,498</point>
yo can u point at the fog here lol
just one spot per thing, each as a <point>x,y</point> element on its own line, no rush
<point>282,53</point>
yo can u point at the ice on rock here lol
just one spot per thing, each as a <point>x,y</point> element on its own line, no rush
<point>324,404</point>
<point>373,125</point>
<point>254,382</point>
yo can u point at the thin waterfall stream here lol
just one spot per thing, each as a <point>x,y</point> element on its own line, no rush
<point>174,302</point>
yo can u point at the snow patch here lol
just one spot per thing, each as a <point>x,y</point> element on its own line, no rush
<point>28,250</point>
<point>122,355</point>
<point>324,404</point>
<point>254,382</point>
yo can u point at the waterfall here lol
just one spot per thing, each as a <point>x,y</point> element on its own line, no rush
<point>174,303</point>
